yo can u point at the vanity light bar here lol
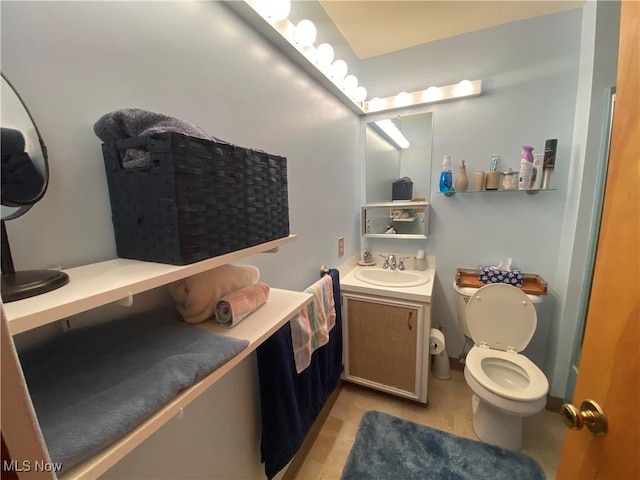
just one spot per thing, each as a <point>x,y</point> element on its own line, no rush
<point>395,135</point>
<point>270,18</point>
<point>462,89</point>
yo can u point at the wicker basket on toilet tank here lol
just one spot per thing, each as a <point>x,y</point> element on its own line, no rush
<point>197,198</point>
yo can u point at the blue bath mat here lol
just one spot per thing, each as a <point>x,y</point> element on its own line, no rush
<point>387,447</point>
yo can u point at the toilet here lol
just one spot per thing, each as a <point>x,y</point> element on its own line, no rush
<point>506,385</point>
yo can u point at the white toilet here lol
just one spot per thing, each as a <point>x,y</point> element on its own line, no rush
<point>507,386</point>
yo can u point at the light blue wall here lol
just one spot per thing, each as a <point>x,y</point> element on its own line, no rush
<point>74,61</point>
<point>541,80</point>
<point>529,71</point>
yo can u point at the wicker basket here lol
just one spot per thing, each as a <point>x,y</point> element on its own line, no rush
<point>197,199</point>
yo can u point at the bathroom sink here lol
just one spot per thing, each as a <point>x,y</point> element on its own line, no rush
<point>391,278</point>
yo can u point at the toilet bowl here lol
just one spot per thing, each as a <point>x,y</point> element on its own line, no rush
<point>506,385</point>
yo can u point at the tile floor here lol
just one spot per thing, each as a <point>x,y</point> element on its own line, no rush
<point>449,410</point>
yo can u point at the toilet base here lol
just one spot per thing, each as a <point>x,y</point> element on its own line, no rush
<point>495,427</point>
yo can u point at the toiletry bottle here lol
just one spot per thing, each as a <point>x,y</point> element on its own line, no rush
<point>446,178</point>
<point>526,167</point>
<point>536,172</point>
<point>462,180</point>
<point>550,147</point>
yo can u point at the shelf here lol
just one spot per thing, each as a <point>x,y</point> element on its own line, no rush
<point>99,284</point>
<point>409,219</point>
<point>256,328</point>
<point>396,204</point>
<point>530,191</point>
<point>394,235</point>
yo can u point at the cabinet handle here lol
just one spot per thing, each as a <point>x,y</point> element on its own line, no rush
<point>409,321</point>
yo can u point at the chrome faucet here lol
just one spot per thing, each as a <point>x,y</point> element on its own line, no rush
<point>390,262</point>
<point>401,263</point>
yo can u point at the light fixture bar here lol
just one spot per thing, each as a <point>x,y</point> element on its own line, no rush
<point>462,89</point>
<point>282,33</point>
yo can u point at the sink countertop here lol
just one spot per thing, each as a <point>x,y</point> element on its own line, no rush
<point>420,293</point>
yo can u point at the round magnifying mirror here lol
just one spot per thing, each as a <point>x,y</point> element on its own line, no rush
<point>25,175</point>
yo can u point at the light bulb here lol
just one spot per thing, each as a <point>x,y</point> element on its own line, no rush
<point>339,70</point>
<point>279,9</point>
<point>305,33</point>
<point>324,54</point>
<point>375,103</point>
<point>402,99</point>
<point>464,87</point>
<point>432,94</point>
<point>360,94</point>
<point>350,84</point>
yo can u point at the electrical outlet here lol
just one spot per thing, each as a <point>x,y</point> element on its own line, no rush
<point>340,246</point>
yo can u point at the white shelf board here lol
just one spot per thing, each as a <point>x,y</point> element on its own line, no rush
<point>98,284</point>
<point>405,236</point>
<point>408,219</point>
<point>257,327</point>
<point>396,204</point>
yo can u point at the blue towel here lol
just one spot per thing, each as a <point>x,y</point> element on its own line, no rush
<point>290,402</point>
<point>93,385</point>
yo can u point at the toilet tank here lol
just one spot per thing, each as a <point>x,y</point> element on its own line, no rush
<point>462,298</point>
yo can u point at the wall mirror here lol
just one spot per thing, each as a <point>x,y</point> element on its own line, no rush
<point>387,161</point>
<point>396,148</point>
<point>25,176</point>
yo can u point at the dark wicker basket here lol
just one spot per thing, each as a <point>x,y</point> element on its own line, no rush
<point>197,199</point>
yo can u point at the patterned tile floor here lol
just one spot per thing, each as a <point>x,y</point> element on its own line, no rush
<point>449,410</point>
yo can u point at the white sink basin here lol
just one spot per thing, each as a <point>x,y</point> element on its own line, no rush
<point>391,278</point>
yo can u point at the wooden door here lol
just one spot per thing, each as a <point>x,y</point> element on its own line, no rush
<point>610,360</point>
<point>382,344</point>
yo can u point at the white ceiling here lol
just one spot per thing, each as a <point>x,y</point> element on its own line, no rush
<point>376,27</point>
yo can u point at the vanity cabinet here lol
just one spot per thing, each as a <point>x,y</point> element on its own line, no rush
<point>386,344</point>
<point>409,219</point>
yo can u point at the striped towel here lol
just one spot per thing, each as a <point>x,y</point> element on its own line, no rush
<point>310,327</point>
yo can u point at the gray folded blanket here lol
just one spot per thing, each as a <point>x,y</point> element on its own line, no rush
<point>93,385</point>
<point>135,122</point>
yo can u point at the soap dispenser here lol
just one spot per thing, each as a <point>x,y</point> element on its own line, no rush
<point>462,180</point>
<point>446,177</point>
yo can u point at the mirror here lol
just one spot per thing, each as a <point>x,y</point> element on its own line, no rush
<point>25,175</point>
<point>387,160</point>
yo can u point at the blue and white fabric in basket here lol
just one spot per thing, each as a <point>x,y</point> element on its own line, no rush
<point>487,274</point>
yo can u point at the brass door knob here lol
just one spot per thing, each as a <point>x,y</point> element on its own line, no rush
<point>590,414</point>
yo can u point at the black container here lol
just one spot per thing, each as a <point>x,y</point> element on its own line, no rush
<point>197,199</point>
<point>402,189</point>
<point>550,148</point>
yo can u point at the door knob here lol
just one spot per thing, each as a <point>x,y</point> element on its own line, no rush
<point>590,414</point>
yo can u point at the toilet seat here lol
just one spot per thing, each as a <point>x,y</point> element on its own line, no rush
<point>502,319</point>
<point>537,384</point>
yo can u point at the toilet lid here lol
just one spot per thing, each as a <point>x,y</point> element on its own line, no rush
<point>501,316</point>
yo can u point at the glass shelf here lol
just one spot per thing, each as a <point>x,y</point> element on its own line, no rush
<point>530,192</point>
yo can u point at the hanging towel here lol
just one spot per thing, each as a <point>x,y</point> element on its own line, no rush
<point>290,402</point>
<point>196,296</point>
<point>237,305</point>
<point>311,326</point>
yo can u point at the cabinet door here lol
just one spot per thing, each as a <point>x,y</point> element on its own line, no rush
<point>382,344</point>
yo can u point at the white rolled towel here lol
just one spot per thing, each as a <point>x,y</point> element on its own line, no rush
<point>196,296</point>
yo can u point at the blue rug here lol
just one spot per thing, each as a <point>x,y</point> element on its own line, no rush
<point>387,447</point>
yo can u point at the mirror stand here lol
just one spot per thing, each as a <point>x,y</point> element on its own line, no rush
<point>27,283</point>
